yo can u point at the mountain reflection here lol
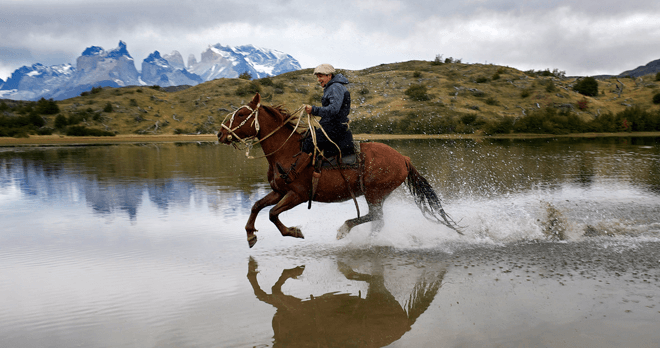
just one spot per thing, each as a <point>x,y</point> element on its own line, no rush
<point>108,182</point>
<point>343,320</point>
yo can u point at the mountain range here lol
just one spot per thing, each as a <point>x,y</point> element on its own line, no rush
<point>97,67</point>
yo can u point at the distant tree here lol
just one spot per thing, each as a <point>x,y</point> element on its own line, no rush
<point>47,107</point>
<point>438,60</point>
<point>656,98</point>
<point>587,86</point>
<point>108,107</point>
<point>657,76</point>
<point>4,106</point>
<point>417,92</point>
<point>245,76</point>
<point>61,121</point>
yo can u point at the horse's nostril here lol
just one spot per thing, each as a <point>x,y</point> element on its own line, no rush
<point>230,138</point>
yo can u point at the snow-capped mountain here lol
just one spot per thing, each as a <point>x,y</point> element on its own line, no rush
<point>32,82</point>
<point>97,67</point>
<point>226,61</point>
<point>157,70</point>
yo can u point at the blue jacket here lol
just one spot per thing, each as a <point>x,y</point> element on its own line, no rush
<point>336,105</point>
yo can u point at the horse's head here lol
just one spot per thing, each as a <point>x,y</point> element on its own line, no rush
<point>241,124</point>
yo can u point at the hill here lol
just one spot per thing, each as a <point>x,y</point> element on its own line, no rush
<point>445,98</point>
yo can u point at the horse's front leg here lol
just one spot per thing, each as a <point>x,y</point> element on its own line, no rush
<point>269,199</point>
<point>290,200</point>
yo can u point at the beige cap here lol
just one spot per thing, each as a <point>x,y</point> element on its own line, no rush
<point>325,69</point>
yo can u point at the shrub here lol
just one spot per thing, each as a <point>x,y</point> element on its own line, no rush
<point>47,107</point>
<point>587,86</point>
<point>437,60</point>
<point>417,92</point>
<point>417,74</point>
<point>657,76</point>
<point>4,106</point>
<point>656,98</point>
<point>525,93</point>
<point>248,89</point>
<point>496,76</point>
<point>108,107</point>
<point>583,104</point>
<point>81,131</point>
<point>492,101</point>
<point>467,119</point>
<point>245,76</point>
<point>266,81</point>
<point>61,121</point>
<point>482,79</point>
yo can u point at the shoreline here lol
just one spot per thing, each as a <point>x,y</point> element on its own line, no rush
<point>128,138</point>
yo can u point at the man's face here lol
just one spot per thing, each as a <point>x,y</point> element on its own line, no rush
<point>323,79</point>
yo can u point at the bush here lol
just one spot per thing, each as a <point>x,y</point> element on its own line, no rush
<point>47,107</point>
<point>482,79</point>
<point>417,92</point>
<point>437,60</point>
<point>266,81</point>
<point>656,98</point>
<point>108,107</point>
<point>587,86</point>
<point>248,89</point>
<point>81,131</point>
<point>61,121</point>
<point>245,76</point>
<point>583,104</point>
<point>657,76</point>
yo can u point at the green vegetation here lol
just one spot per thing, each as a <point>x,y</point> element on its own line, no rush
<point>245,76</point>
<point>656,98</point>
<point>545,121</point>
<point>417,92</point>
<point>248,89</point>
<point>419,97</point>
<point>587,86</point>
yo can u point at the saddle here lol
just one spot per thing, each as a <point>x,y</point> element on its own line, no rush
<point>351,161</point>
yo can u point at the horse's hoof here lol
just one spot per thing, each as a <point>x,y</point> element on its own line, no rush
<point>296,232</point>
<point>252,240</point>
<point>343,231</point>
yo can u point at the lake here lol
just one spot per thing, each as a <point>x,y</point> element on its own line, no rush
<point>143,245</point>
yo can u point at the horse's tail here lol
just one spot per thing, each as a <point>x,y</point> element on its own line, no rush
<point>427,200</point>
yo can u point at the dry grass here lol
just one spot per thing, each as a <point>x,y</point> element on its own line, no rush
<point>380,90</point>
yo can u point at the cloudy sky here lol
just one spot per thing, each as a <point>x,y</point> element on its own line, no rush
<point>587,37</point>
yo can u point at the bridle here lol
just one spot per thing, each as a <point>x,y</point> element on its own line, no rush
<point>250,141</point>
<point>253,112</point>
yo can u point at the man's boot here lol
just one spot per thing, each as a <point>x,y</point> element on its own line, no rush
<point>292,174</point>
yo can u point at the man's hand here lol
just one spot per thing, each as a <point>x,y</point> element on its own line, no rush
<point>308,109</point>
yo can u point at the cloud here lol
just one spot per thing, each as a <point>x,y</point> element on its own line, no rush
<point>586,37</point>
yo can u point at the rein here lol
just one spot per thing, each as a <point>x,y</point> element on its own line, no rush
<point>250,141</point>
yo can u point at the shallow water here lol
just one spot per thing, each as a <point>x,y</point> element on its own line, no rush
<point>143,245</point>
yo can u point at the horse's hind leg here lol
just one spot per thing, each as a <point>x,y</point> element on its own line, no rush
<point>375,214</point>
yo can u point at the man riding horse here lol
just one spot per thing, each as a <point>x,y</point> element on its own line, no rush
<point>335,138</point>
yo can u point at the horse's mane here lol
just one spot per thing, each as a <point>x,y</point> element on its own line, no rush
<point>282,114</point>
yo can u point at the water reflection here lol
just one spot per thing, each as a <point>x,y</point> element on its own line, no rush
<point>337,319</point>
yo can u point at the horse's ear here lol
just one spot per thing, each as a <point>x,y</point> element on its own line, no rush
<point>256,100</point>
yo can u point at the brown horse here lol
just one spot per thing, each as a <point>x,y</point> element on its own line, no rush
<point>383,169</point>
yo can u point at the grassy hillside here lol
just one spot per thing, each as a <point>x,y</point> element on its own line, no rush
<point>452,97</point>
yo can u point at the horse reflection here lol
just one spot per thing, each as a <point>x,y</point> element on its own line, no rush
<point>343,320</point>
